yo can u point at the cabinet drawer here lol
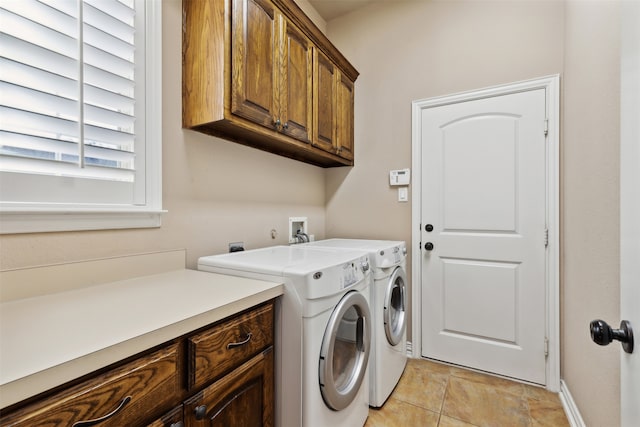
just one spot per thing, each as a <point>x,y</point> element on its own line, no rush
<point>223,347</point>
<point>125,396</point>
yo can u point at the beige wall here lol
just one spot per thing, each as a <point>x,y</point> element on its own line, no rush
<point>412,50</point>
<point>590,220</point>
<point>216,192</point>
<point>409,51</point>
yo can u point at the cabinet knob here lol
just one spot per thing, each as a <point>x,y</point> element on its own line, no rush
<point>276,123</point>
<point>200,412</point>
<point>285,126</point>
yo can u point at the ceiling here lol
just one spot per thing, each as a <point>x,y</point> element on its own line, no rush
<point>330,9</point>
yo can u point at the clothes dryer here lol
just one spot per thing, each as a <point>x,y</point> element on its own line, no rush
<point>323,330</point>
<point>388,306</point>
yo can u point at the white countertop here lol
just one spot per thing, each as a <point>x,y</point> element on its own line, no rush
<point>48,340</point>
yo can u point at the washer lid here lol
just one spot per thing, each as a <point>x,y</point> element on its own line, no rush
<point>280,260</point>
<point>382,253</point>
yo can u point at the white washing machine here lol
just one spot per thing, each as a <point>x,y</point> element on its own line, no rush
<point>388,306</point>
<point>323,330</point>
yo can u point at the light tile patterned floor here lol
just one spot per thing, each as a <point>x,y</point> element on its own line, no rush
<point>435,395</point>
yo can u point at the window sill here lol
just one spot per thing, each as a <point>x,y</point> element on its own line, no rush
<point>51,220</point>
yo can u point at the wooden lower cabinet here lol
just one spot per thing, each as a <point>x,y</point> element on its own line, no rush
<point>169,386</point>
<point>120,397</point>
<point>243,398</point>
<point>172,418</point>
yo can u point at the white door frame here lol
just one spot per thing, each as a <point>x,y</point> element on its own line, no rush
<point>629,208</point>
<point>551,85</point>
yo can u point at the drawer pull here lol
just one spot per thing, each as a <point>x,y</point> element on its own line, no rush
<point>241,343</point>
<point>97,421</point>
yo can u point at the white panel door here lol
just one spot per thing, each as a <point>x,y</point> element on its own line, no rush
<point>483,194</point>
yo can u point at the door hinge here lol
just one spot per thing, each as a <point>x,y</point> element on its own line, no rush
<point>546,347</point>
<point>546,127</point>
<point>546,237</point>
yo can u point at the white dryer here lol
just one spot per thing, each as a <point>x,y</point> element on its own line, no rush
<point>323,330</point>
<point>388,305</point>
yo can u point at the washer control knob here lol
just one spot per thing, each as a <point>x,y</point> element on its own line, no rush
<point>365,265</point>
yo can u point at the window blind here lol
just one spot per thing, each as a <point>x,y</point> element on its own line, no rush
<point>67,88</point>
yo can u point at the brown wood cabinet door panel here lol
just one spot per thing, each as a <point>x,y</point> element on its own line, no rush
<point>254,61</point>
<point>221,348</point>
<point>172,418</point>
<point>344,123</point>
<point>124,396</point>
<point>296,87</point>
<point>243,398</point>
<point>203,64</point>
<point>324,98</point>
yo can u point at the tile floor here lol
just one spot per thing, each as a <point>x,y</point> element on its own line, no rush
<point>435,395</point>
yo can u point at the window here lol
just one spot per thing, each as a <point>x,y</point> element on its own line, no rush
<point>80,115</point>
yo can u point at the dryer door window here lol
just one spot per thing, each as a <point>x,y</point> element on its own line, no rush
<point>395,319</point>
<point>345,351</point>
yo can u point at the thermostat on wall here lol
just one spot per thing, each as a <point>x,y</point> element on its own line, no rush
<point>400,177</point>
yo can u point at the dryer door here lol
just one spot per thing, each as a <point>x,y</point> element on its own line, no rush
<point>395,319</point>
<point>345,351</point>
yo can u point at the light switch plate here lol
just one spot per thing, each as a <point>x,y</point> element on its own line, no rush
<point>403,194</point>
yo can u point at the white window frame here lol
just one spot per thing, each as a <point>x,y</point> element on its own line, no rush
<point>48,217</point>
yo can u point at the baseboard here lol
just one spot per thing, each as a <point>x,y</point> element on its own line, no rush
<point>570,408</point>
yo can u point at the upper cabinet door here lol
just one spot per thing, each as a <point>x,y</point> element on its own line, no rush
<point>324,88</point>
<point>296,83</point>
<point>254,61</point>
<point>344,114</point>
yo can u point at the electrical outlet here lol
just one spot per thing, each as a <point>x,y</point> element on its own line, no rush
<point>236,246</point>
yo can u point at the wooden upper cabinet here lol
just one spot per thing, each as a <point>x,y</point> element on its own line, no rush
<point>260,73</point>
<point>254,61</point>
<point>296,83</point>
<point>333,111</point>
<point>272,67</point>
<point>344,114</point>
<point>324,135</point>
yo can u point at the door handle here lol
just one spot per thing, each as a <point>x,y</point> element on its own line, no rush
<point>603,334</point>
